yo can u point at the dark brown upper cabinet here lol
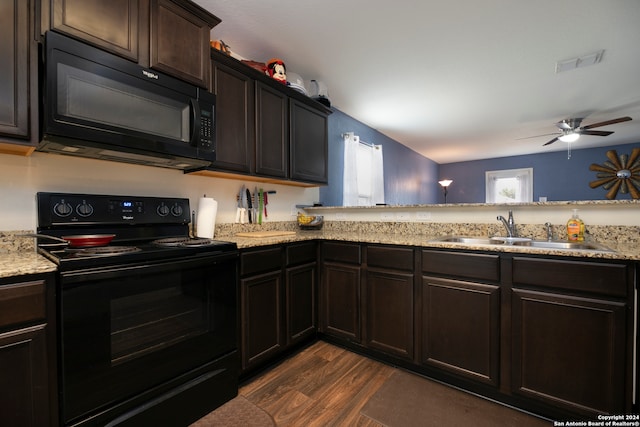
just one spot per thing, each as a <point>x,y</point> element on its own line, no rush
<point>19,87</point>
<point>272,148</point>
<point>235,131</point>
<point>309,147</point>
<point>266,131</point>
<point>171,36</point>
<point>179,40</point>
<point>115,25</point>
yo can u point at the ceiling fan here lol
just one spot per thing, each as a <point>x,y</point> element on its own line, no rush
<point>570,129</point>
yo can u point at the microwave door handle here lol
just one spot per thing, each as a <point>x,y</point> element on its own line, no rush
<point>195,121</point>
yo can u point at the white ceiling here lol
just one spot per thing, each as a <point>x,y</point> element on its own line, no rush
<point>454,80</point>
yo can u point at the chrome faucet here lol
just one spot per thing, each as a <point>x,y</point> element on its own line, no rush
<point>509,224</point>
<point>549,231</point>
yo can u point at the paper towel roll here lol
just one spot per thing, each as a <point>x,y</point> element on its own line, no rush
<point>206,222</point>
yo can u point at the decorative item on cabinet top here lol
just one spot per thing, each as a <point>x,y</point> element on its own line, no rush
<point>619,173</point>
<point>221,46</point>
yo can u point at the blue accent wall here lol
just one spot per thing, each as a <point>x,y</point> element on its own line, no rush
<point>409,178</point>
<point>554,176</point>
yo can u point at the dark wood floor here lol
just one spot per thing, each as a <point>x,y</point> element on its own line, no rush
<point>323,385</point>
<point>320,386</point>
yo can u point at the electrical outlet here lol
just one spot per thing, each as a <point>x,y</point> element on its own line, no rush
<point>424,216</point>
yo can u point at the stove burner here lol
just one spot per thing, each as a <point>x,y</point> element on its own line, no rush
<point>183,241</point>
<point>105,250</point>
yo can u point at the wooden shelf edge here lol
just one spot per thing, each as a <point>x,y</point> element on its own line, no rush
<point>251,178</point>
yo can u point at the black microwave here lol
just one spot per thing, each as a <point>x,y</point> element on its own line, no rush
<point>98,105</point>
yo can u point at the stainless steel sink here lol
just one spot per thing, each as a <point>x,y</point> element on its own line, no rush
<point>525,242</point>
<point>483,240</point>
<point>562,244</point>
<point>462,239</point>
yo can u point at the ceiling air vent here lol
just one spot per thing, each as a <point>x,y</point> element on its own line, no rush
<point>579,62</point>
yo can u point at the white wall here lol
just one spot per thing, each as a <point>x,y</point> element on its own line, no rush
<point>22,177</point>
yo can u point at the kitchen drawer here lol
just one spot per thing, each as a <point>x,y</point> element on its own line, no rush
<point>592,277</point>
<point>22,303</point>
<point>348,253</point>
<point>458,264</point>
<point>300,253</point>
<point>261,260</point>
<point>390,257</point>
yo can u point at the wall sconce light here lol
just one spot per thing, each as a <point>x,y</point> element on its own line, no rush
<point>445,183</point>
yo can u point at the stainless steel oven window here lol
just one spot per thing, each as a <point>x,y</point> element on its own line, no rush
<point>90,97</point>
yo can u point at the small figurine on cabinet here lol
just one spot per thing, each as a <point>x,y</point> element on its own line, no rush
<point>277,70</point>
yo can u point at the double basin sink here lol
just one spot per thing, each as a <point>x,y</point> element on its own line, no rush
<point>524,242</point>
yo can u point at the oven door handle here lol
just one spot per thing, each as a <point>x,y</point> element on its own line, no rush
<point>196,122</point>
<point>209,261</point>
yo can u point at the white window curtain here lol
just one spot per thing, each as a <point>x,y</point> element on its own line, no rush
<point>363,179</point>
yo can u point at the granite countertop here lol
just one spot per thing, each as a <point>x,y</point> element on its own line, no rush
<point>18,255</point>
<point>621,251</point>
<point>22,263</point>
<point>18,258</point>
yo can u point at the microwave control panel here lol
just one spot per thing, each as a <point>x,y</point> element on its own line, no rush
<point>206,129</point>
<point>207,104</point>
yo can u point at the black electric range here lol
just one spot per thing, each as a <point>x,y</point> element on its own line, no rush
<point>145,229</point>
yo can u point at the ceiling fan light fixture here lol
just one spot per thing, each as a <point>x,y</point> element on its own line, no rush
<point>569,137</point>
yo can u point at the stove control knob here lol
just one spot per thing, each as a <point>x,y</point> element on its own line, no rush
<point>84,209</point>
<point>163,210</point>
<point>176,210</point>
<point>62,209</point>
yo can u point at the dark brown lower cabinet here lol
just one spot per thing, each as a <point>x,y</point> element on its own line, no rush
<point>571,336</point>
<point>301,302</point>
<point>389,318</point>
<point>569,351</point>
<point>24,377</point>
<point>262,319</point>
<point>389,295</point>
<point>551,335</point>
<point>341,301</point>
<point>278,300</point>
<point>340,290</point>
<point>461,328</point>
<point>27,353</point>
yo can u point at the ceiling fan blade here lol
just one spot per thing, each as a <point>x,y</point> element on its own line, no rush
<point>537,136</point>
<point>607,123</point>
<point>550,142</point>
<point>595,132</point>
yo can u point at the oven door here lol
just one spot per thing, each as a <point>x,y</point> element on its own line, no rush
<point>128,329</point>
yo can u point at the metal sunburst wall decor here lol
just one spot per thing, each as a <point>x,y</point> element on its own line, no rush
<point>618,173</point>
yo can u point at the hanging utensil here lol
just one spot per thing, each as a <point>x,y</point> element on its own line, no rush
<point>241,210</point>
<point>249,205</point>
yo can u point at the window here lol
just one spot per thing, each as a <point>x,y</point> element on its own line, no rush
<point>363,183</point>
<point>509,186</point>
